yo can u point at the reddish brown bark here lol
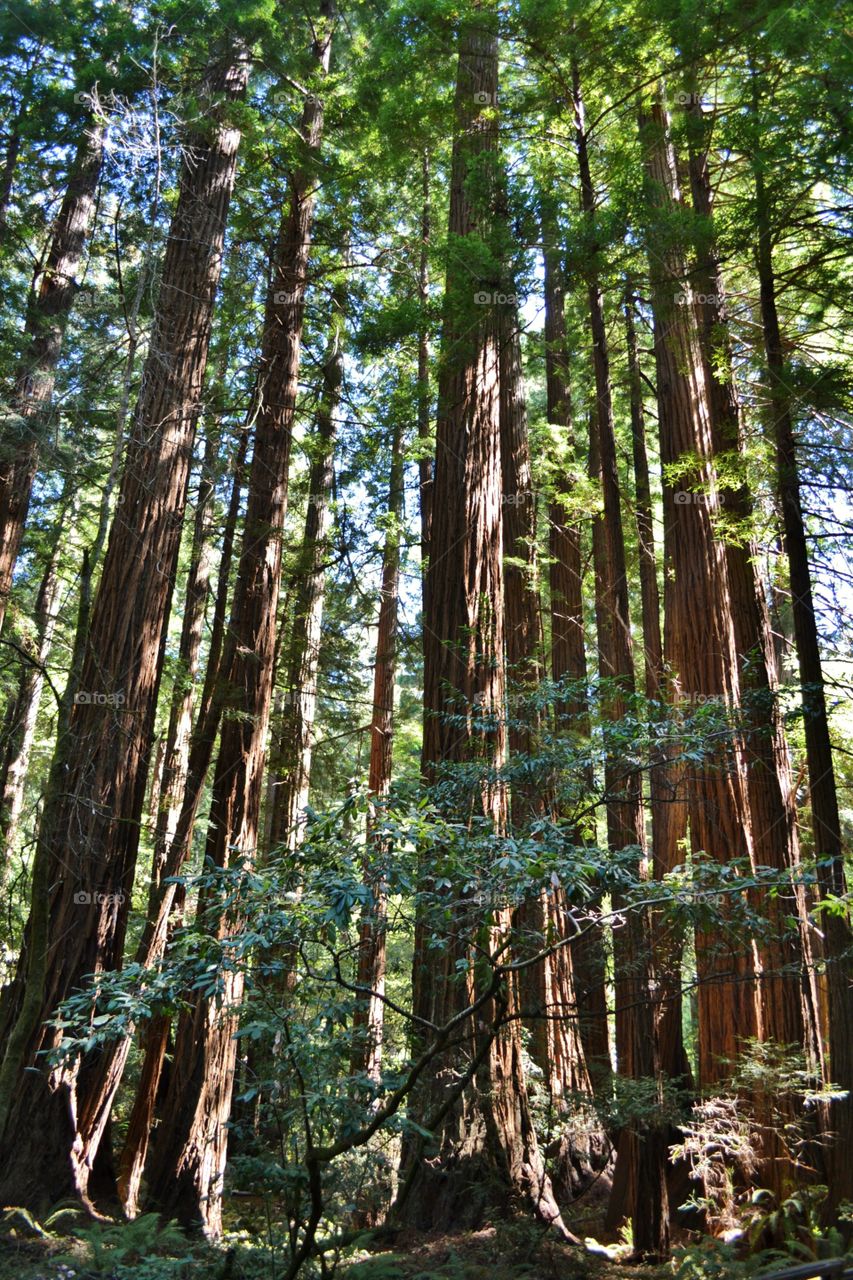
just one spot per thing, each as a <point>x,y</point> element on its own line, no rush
<point>568,645</point>
<point>50,305</point>
<point>290,771</point>
<point>185,1174</point>
<point>90,829</point>
<point>699,637</point>
<point>643,1156</point>
<point>666,782</point>
<point>784,1013</point>
<point>425,461</point>
<point>165,902</point>
<point>485,1142</point>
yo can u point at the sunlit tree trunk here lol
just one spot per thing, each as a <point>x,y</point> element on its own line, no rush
<point>85,860</point>
<point>699,636</point>
<point>188,1162</point>
<point>786,1016</point>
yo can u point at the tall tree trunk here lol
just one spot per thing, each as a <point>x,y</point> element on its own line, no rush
<point>666,777</point>
<point>699,637</point>
<point>484,1138</point>
<point>368,1018</point>
<point>788,997</point>
<point>49,307</point>
<point>568,644</point>
<point>90,829</point>
<point>826,824</point>
<point>642,1156</point>
<point>95,1106</point>
<point>166,898</point>
<point>292,753</point>
<point>185,1175</point>
<point>425,460</point>
<point>546,991</point>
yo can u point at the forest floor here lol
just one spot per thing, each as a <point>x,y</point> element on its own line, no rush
<point>489,1254</point>
<point>514,1250</point>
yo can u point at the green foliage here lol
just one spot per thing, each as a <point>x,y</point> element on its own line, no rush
<point>140,1249</point>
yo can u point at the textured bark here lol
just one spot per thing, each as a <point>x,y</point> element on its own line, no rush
<point>368,1017</point>
<point>94,1107</point>
<point>546,991</point>
<point>165,901</point>
<point>788,996</point>
<point>666,781</point>
<point>485,1145</point>
<point>699,638</point>
<point>642,1155</point>
<point>826,825</point>
<point>50,305</point>
<point>568,649</point>
<point>290,769</point>
<point>188,1163</point>
<point>90,828</point>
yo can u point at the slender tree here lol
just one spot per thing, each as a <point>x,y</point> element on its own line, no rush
<point>50,304</point>
<point>185,1174</point>
<point>86,854</point>
<point>368,1018</point>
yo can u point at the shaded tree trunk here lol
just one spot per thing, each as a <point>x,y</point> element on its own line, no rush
<point>826,824</point>
<point>23,715</point>
<point>95,1106</point>
<point>666,777</point>
<point>485,1150</point>
<point>165,897</point>
<point>291,762</point>
<point>368,1018</point>
<point>90,828</point>
<point>568,647</point>
<point>643,1156</point>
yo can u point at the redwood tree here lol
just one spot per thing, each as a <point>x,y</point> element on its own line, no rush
<point>86,853</point>
<point>185,1174</point>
